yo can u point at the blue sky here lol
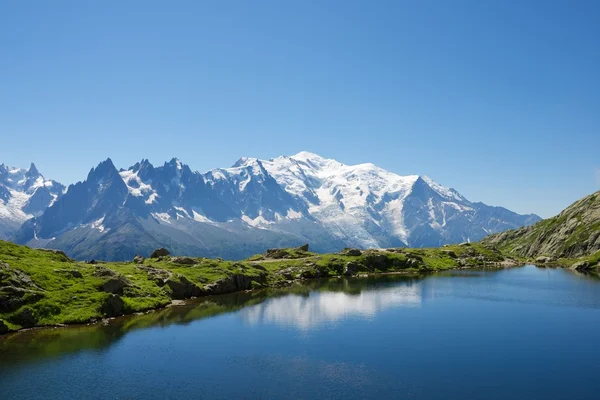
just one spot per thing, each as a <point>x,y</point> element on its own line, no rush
<point>498,99</point>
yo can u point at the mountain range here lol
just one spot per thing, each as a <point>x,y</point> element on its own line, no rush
<point>239,211</point>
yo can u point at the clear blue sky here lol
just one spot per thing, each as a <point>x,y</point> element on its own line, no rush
<point>498,99</point>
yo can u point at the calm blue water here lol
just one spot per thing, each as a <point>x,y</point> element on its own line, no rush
<point>522,333</point>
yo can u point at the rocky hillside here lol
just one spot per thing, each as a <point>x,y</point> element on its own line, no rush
<point>573,233</point>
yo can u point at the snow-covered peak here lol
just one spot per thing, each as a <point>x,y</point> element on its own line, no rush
<point>442,190</point>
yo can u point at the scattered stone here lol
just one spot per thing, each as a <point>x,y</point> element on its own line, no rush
<point>183,260</point>
<point>162,252</point>
<point>138,259</point>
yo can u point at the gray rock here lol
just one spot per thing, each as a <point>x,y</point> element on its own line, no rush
<point>351,252</point>
<point>138,259</point>
<point>233,283</point>
<point>543,259</point>
<point>162,252</point>
<point>101,271</point>
<point>183,260</point>
<point>75,274</point>
<point>182,288</point>
<point>113,306</point>
<point>114,285</point>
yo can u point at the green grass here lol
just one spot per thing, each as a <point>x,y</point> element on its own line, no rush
<point>63,291</point>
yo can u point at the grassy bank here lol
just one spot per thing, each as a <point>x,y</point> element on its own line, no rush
<point>43,288</point>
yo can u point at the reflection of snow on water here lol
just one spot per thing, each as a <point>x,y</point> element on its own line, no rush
<point>308,312</point>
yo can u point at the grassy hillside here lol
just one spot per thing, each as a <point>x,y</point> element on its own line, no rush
<point>574,233</point>
<point>42,287</point>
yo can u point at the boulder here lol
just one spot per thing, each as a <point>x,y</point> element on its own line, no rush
<point>465,244</point>
<point>351,268</point>
<point>75,274</point>
<point>543,259</point>
<point>580,266</point>
<point>304,247</point>
<point>351,252</point>
<point>101,271</point>
<point>114,285</point>
<point>112,306</point>
<point>183,260</point>
<point>162,252</point>
<point>138,259</point>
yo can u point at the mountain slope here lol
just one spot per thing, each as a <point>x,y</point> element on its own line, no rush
<point>24,193</point>
<point>239,211</point>
<point>575,232</point>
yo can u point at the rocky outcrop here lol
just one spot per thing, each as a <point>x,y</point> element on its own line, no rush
<point>3,328</point>
<point>16,289</point>
<point>351,268</point>
<point>62,254</point>
<point>573,233</point>
<point>232,283</point>
<point>304,248</point>
<point>182,288</point>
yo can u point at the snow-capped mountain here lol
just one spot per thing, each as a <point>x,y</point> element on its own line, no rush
<point>24,194</point>
<point>255,204</point>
